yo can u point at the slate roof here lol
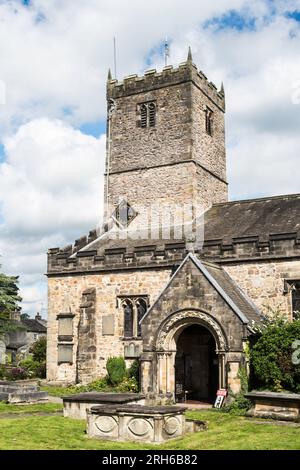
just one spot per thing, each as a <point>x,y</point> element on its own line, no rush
<point>254,217</point>
<point>33,326</point>
<point>227,221</point>
<point>239,298</point>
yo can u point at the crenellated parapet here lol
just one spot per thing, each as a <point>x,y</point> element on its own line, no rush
<point>152,80</point>
<point>72,259</point>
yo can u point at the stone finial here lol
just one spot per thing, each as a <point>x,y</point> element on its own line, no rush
<point>222,91</point>
<point>190,57</point>
<point>109,77</point>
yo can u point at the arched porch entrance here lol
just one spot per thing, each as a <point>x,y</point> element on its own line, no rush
<point>196,365</point>
<point>190,356</point>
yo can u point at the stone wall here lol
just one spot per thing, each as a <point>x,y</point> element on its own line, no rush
<point>264,282</point>
<point>70,293</point>
<point>208,150</point>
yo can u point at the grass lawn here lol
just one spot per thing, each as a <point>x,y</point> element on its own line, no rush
<point>23,409</point>
<point>39,431</point>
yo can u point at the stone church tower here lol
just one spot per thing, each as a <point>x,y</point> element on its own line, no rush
<point>165,141</point>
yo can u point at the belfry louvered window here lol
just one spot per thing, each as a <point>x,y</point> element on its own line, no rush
<point>143,115</point>
<point>151,112</point>
<point>148,114</point>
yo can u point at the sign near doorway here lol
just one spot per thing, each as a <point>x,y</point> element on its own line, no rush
<point>221,395</point>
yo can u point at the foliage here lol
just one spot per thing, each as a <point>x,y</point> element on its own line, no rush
<point>2,372</point>
<point>129,384</point>
<point>239,403</point>
<point>272,353</point>
<point>116,369</point>
<point>16,373</point>
<point>34,368</point>
<point>134,370</point>
<point>9,298</point>
<point>39,350</point>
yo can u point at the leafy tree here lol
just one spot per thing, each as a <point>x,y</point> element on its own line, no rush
<point>9,298</point>
<point>272,361</point>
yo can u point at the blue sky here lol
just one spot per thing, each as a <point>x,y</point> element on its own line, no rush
<point>53,121</point>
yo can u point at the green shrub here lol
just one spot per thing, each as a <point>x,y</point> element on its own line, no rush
<point>134,370</point>
<point>239,403</point>
<point>99,385</point>
<point>2,372</point>
<point>271,355</point>
<point>16,373</point>
<point>34,368</point>
<point>39,350</point>
<point>116,369</point>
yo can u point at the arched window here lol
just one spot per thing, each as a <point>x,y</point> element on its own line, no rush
<point>209,121</point>
<point>141,307</point>
<point>128,319</point>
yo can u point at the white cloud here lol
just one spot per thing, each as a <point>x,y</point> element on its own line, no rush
<point>50,190</point>
<point>58,53</point>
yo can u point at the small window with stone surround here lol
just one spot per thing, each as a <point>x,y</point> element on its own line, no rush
<point>209,121</point>
<point>65,326</point>
<point>65,354</point>
<point>147,114</point>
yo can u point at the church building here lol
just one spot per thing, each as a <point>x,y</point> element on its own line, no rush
<point>177,276</point>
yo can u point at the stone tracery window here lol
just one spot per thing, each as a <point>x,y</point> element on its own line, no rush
<point>128,318</point>
<point>147,114</point>
<point>141,307</point>
<point>134,308</point>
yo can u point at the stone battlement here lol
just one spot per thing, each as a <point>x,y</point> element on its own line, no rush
<point>162,253</point>
<point>152,80</point>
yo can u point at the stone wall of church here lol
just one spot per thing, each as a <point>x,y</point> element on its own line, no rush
<point>75,294</point>
<point>209,150</point>
<point>134,147</point>
<point>264,282</point>
<point>165,191</point>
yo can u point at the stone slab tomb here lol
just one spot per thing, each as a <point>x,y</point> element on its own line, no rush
<point>76,406</point>
<point>138,423</point>
<point>281,406</point>
<point>21,392</point>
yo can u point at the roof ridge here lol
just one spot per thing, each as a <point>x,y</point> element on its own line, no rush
<point>265,198</point>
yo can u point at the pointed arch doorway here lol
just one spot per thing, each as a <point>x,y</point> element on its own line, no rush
<point>196,365</point>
